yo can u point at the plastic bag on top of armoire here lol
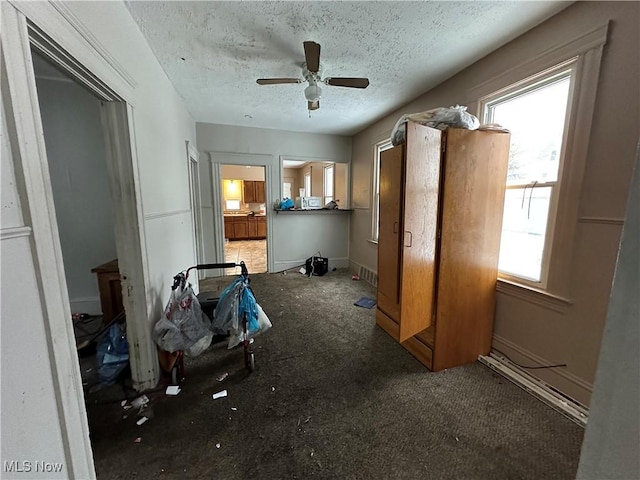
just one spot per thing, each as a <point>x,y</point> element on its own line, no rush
<point>439,118</point>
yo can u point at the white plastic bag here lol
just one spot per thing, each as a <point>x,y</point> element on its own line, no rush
<point>183,326</point>
<point>439,118</point>
<point>264,324</point>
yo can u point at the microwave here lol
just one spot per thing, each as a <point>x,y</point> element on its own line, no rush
<point>308,203</point>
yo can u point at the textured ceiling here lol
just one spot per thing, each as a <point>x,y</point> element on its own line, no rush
<point>213,52</point>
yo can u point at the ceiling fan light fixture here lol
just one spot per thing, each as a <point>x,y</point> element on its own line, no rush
<point>313,92</point>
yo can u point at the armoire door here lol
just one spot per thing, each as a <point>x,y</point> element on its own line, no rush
<point>420,225</point>
<point>389,231</point>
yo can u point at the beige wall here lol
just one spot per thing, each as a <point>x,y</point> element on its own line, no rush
<point>526,331</point>
<point>291,174</point>
<point>341,185</point>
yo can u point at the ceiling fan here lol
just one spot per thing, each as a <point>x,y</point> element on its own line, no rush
<point>311,73</point>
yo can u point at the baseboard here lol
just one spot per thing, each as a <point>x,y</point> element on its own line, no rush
<point>364,273</point>
<point>334,262</point>
<point>90,305</point>
<point>566,382</point>
<point>565,405</point>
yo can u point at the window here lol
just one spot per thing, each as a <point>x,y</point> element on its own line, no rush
<point>286,189</point>
<point>375,220</point>
<point>328,184</point>
<point>307,184</point>
<point>232,204</point>
<point>537,113</point>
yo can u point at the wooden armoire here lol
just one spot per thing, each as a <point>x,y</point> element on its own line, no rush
<point>441,204</point>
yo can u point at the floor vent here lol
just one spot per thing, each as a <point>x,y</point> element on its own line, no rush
<point>565,405</point>
<point>368,276</point>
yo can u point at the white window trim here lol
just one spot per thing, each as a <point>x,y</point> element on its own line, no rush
<point>378,147</point>
<point>588,50</point>
<point>307,181</point>
<point>324,183</point>
<point>542,79</point>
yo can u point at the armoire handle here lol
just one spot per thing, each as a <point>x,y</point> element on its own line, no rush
<point>395,227</point>
<point>410,238</point>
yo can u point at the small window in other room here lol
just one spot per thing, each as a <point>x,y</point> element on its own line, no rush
<point>328,184</point>
<point>232,204</point>
<point>307,184</point>
<point>537,114</point>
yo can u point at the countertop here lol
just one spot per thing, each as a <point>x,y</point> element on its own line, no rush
<point>244,214</point>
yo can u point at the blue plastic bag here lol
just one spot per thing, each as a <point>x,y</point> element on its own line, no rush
<point>286,204</point>
<point>236,300</point>
<point>112,354</point>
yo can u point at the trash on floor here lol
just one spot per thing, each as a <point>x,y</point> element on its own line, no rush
<point>222,377</point>
<point>112,354</point>
<point>138,440</point>
<point>221,394</point>
<point>140,401</point>
<point>355,277</point>
<point>366,302</point>
<point>172,390</point>
<point>217,445</point>
<point>142,420</point>
<point>234,409</point>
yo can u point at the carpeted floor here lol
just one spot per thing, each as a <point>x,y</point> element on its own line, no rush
<point>334,397</point>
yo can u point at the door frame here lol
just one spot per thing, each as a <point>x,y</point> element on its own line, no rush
<point>228,158</point>
<point>54,31</point>
<point>193,170</point>
<point>20,102</point>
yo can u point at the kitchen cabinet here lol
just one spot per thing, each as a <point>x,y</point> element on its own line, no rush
<point>228,228</point>
<point>257,227</point>
<point>245,227</point>
<point>441,204</point>
<point>253,191</point>
<point>262,227</point>
<point>240,228</point>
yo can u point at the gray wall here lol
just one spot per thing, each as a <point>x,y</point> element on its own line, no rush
<point>531,331</point>
<point>76,153</point>
<point>292,239</point>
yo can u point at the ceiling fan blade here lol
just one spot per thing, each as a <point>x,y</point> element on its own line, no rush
<point>347,82</point>
<point>312,56</point>
<point>277,81</point>
<point>313,105</point>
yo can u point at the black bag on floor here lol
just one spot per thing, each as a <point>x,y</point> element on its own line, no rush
<point>317,266</point>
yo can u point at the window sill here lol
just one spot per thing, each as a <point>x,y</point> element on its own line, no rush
<point>533,295</point>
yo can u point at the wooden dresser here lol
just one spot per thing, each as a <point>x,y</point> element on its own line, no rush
<point>110,289</point>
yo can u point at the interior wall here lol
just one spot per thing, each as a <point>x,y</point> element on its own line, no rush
<point>74,138</point>
<point>117,53</point>
<point>241,172</point>
<point>529,331</point>
<point>291,174</point>
<point>28,398</point>
<point>341,185</point>
<point>242,140</point>
<point>612,439</point>
<point>161,125</point>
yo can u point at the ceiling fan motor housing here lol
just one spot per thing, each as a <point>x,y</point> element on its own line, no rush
<point>311,77</point>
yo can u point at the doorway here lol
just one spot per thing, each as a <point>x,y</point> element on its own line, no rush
<point>77,159</point>
<point>244,211</point>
